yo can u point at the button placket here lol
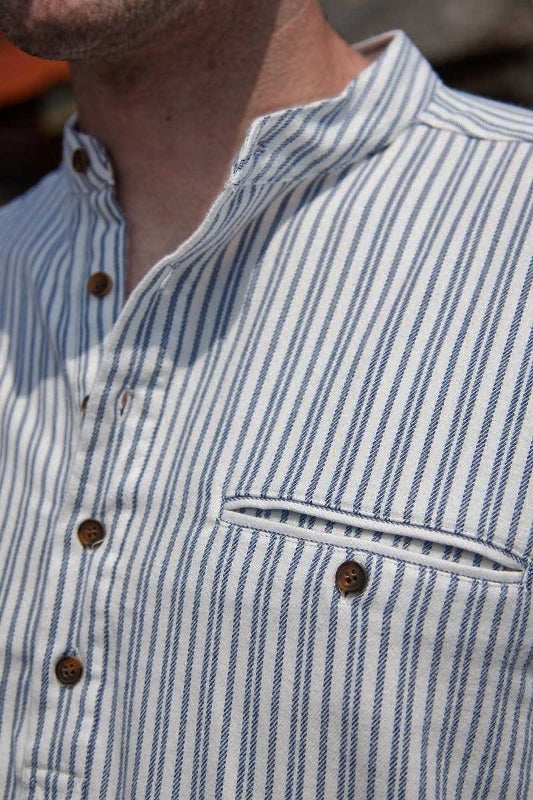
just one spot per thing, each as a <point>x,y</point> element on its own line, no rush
<point>91,533</point>
<point>75,531</point>
<point>84,491</point>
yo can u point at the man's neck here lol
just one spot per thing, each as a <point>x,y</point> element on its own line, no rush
<point>174,114</point>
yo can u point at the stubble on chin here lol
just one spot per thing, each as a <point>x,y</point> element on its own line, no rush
<point>93,29</point>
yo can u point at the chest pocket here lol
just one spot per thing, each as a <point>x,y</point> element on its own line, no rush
<point>346,652</point>
<point>428,548</point>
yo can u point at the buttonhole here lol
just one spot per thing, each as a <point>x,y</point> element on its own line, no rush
<point>126,394</point>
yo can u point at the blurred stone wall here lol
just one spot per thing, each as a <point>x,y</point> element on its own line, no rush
<point>481,46</point>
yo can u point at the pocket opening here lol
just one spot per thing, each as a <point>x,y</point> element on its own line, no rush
<point>409,542</point>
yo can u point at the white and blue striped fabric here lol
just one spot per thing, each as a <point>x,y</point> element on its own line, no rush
<point>336,366</point>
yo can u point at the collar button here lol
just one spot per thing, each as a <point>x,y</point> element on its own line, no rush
<point>80,160</point>
<point>99,284</point>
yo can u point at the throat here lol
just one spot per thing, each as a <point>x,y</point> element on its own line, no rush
<point>153,236</point>
<point>144,252</point>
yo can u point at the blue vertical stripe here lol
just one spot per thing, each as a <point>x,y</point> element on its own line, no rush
<point>337,366</point>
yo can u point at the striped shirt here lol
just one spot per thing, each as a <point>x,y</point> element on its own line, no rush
<point>286,551</point>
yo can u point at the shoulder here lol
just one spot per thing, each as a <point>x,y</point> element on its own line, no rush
<point>32,232</point>
<point>478,117</point>
<point>25,221</point>
<point>484,149</point>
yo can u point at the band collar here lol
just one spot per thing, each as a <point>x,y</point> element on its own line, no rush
<point>292,143</point>
<point>85,160</point>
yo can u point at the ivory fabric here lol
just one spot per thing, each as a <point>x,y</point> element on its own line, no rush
<point>335,366</point>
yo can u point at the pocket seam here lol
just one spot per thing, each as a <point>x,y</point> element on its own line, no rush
<point>374,549</point>
<point>521,561</point>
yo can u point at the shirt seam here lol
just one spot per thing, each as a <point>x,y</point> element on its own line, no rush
<point>486,137</point>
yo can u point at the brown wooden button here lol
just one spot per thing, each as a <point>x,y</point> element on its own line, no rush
<point>84,404</point>
<point>91,533</point>
<point>69,670</point>
<point>350,577</point>
<point>80,160</point>
<point>100,284</point>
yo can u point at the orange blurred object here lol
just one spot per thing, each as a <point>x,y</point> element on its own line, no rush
<point>23,77</point>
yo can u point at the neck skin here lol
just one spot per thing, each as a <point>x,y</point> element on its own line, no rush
<point>174,113</point>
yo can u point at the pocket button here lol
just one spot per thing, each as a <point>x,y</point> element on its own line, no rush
<point>69,670</point>
<point>350,577</point>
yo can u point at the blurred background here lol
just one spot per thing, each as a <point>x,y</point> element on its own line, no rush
<point>480,46</point>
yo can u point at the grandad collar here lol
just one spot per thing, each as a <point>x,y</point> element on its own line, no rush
<point>293,143</point>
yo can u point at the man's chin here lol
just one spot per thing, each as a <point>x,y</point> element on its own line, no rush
<point>45,47</point>
<point>70,31</point>
<point>85,30</point>
<point>68,45</point>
